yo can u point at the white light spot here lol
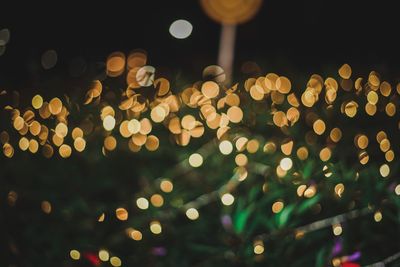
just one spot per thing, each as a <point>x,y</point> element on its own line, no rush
<point>180,29</point>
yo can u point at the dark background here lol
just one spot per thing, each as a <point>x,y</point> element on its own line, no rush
<point>293,38</point>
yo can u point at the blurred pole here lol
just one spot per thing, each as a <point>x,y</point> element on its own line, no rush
<point>226,50</point>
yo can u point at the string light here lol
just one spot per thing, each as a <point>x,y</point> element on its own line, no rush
<point>192,214</point>
<point>75,255</point>
<point>286,164</point>
<point>155,227</point>
<point>227,199</point>
<point>195,160</point>
<point>142,203</point>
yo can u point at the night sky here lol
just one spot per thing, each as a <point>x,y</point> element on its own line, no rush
<point>293,38</point>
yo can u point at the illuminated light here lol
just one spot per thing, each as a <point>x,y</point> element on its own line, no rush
<point>134,126</point>
<point>293,115</point>
<point>110,143</point>
<point>18,123</point>
<point>257,92</point>
<point>152,143</point>
<point>195,160</point>
<point>339,189</point>
<point>319,127</point>
<point>101,218</point>
<point>104,255</point>
<point>35,128</point>
<point>65,151</point>
<point>336,262</point>
<point>325,154</point>
<point>181,29</point>
<point>134,234</point>
<point>142,203</point>
<point>378,216</point>
<point>227,199</point>
<point>235,114</point>
<point>252,146</point>
<point>123,129</point>
<point>139,139</point>
<point>109,123</point>
<point>155,227</point>
<point>286,164</point>
<point>230,12</point>
<point>280,172</point>
<point>23,143</point>
<point>77,132</point>
<point>166,186</point>
<point>61,130</point>
<point>363,157</point>
<point>283,85</point>
<point>79,144</point>
<point>115,261</point>
<point>158,114</point>
<point>49,59</point>
<point>232,100</point>
<point>214,73</point>
<point>188,122</point>
<point>162,85</point>
<point>210,89</point>
<point>302,153</point>
<point>301,189</point>
<point>389,155</point>
<point>337,229</point>
<point>390,109</point>
<point>115,64</point>
<point>258,249</point>
<point>74,254</point>
<point>345,71</point>
<point>310,192</point>
<point>46,207</point>
<point>192,214</point>
<point>122,214</point>
<point>57,140</point>
<point>269,148</point>
<point>145,76</point>
<point>241,159</point>
<point>280,119</point>
<point>157,200</point>
<point>351,109</point>
<point>397,190</point>
<point>374,79</point>
<point>372,97</point>
<point>242,173</point>
<point>326,171</point>
<point>287,147</point>
<point>226,147</point>
<point>384,145</point>
<point>241,143</point>
<point>107,110</point>
<point>384,170</point>
<point>362,141</point>
<point>277,206</point>
<point>37,102</point>
<point>370,109</point>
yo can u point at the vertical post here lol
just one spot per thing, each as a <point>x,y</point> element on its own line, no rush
<point>226,49</point>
